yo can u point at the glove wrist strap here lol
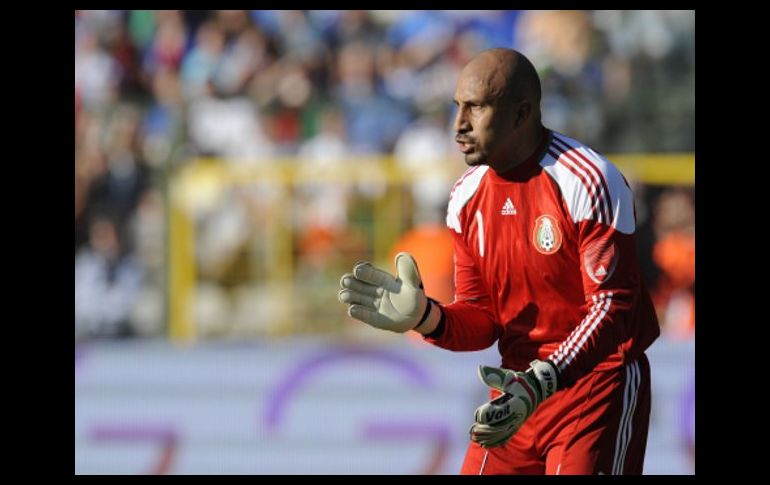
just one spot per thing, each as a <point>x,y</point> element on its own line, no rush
<point>546,375</point>
<point>425,314</point>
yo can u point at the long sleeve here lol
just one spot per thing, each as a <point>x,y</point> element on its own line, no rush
<point>612,284</point>
<point>619,321</point>
<point>468,323</point>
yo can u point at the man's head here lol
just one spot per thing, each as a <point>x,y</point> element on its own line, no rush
<point>498,115</point>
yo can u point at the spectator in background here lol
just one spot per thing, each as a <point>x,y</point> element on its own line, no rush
<point>107,281</point>
<point>373,120</point>
<point>127,176</point>
<point>200,65</point>
<point>147,233</point>
<point>324,204</point>
<point>97,74</point>
<point>169,42</point>
<point>432,245</point>
<point>245,57</point>
<point>423,149</point>
<point>90,165</point>
<point>164,118</point>
<point>321,214</point>
<point>109,169</point>
<point>674,253</point>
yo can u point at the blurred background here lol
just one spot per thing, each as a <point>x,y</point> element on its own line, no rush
<point>230,165</point>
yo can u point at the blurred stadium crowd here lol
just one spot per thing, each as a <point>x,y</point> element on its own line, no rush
<point>156,89</point>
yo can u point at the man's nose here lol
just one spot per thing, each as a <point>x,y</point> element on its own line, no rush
<point>461,124</point>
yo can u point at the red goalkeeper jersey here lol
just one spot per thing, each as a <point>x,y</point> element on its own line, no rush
<point>546,263</point>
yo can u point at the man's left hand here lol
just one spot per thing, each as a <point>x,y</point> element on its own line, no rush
<point>498,420</point>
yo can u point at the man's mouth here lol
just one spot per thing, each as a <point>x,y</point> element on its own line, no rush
<point>465,145</point>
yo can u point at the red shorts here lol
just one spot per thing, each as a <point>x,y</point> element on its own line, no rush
<point>597,426</point>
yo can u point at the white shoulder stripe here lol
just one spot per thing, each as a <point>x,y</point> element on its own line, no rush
<point>587,205</point>
<point>462,192</point>
<point>592,187</point>
<point>578,198</point>
<point>592,175</point>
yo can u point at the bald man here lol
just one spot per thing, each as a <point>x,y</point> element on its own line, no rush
<point>546,266</point>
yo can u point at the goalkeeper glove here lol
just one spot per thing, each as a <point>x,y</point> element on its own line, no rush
<point>498,420</point>
<point>377,298</point>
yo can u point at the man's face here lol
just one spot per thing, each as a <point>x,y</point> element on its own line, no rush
<point>484,124</point>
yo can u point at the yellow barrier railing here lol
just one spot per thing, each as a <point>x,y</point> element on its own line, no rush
<point>181,275</point>
<point>657,169</point>
<point>206,178</point>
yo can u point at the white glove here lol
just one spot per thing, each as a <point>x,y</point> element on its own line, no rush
<point>498,420</point>
<point>377,298</point>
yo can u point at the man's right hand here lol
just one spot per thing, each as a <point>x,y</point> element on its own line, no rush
<point>391,303</point>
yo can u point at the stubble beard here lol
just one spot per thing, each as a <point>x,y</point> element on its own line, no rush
<point>476,158</point>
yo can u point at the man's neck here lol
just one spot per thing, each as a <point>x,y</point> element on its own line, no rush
<point>531,142</point>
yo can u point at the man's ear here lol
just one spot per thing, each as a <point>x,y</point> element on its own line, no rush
<point>523,112</point>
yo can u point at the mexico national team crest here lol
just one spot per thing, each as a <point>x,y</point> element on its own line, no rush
<point>546,235</point>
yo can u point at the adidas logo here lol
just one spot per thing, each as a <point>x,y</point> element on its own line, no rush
<point>508,208</point>
<point>601,271</point>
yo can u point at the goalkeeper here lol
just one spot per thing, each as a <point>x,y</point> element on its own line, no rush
<point>546,266</point>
